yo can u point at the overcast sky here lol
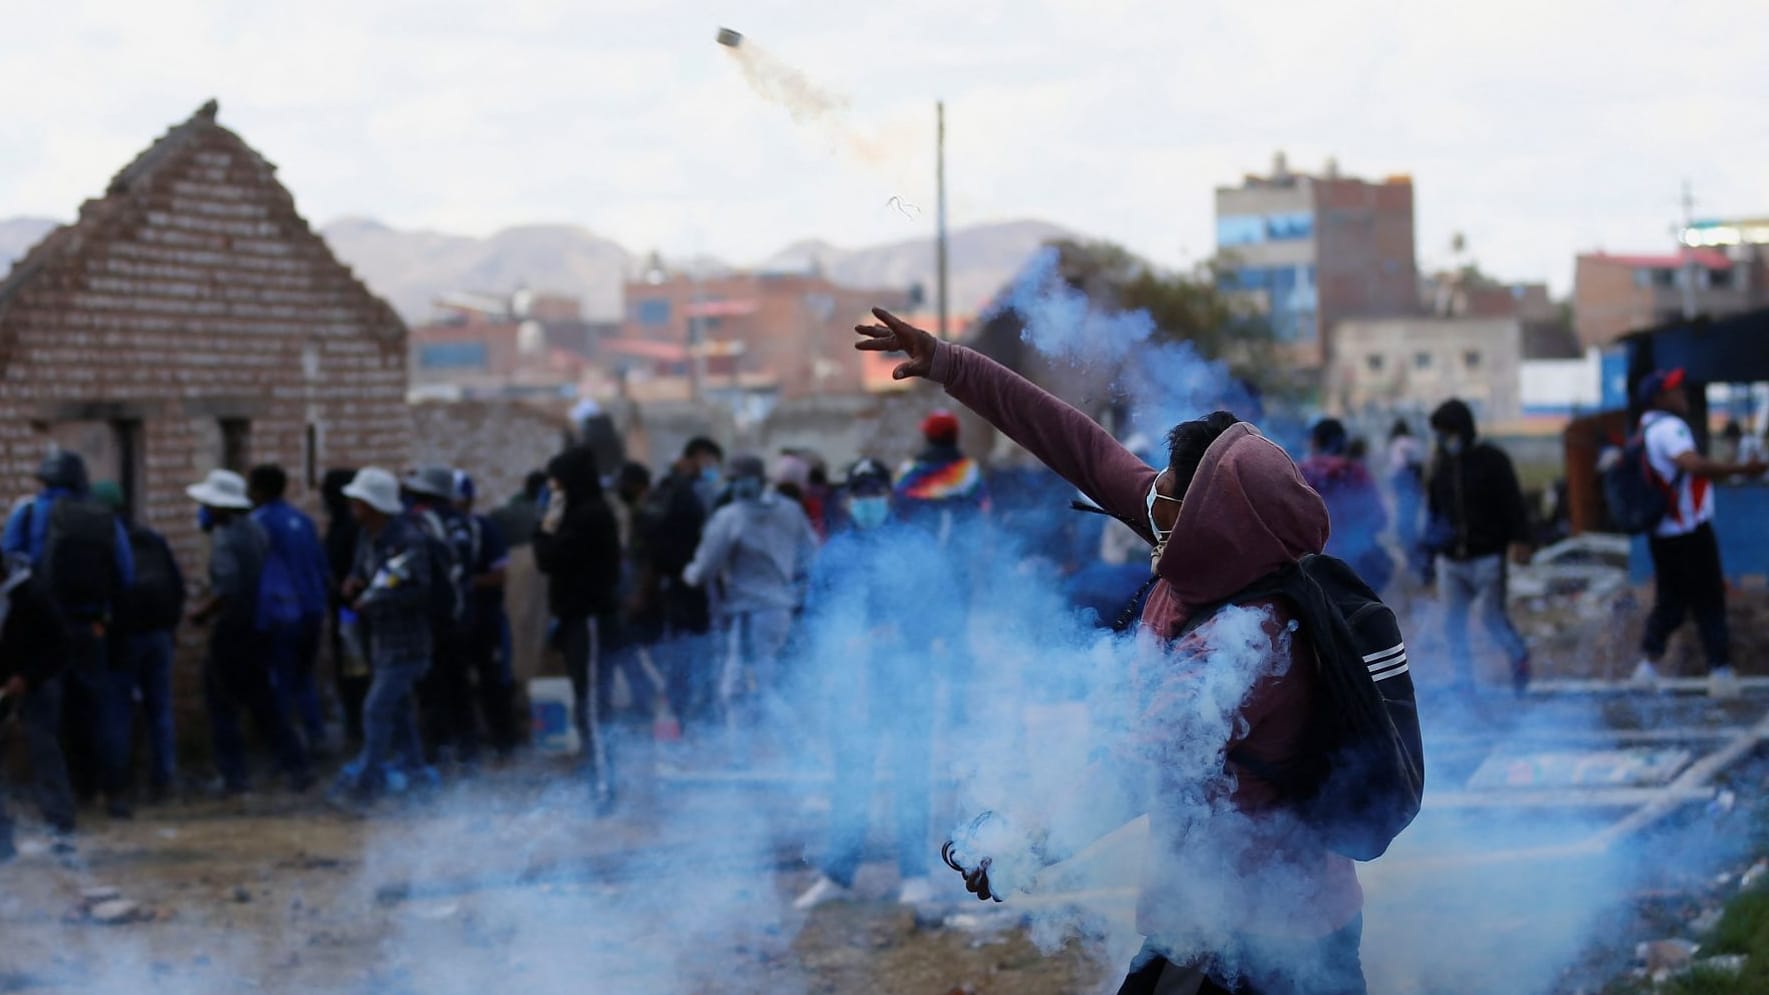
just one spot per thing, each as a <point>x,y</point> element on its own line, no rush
<point>1539,129</point>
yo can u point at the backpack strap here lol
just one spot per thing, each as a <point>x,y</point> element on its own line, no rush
<point>1127,617</point>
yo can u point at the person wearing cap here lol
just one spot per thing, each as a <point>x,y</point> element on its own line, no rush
<point>759,549</point>
<point>83,695</point>
<point>853,623</point>
<point>1354,505</point>
<point>147,621</point>
<point>1475,512</point>
<point>445,695</point>
<point>488,627</point>
<point>942,491</point>
<point>1685,551</point>
<point>237,675</point>
<point>388,588</point>
<point>293,612</point>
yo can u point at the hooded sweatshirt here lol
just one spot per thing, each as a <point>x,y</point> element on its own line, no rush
<point>582,558</point>
<point>1475,505</point>
<point>1225,856</point>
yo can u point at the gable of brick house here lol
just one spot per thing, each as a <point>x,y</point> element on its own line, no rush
<point>190,317</point>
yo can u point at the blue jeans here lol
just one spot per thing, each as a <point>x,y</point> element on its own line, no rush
<point>1464,583</point>
<point>894,716</point>
<point>41,714</point>
<point>389,726</point>
<point>98,710</point>
<point>293,650</point>
<point>237,678</point>
<point>150,657</point>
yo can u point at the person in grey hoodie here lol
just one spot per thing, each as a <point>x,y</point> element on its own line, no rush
<point>759,549</point>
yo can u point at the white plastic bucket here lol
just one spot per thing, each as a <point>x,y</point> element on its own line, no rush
<point>549,708</point>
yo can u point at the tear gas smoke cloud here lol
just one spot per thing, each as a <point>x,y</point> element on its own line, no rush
<point>1166,382</point>
<point>662,900</point>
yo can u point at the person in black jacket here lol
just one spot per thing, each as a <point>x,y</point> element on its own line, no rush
<point>32,647</point>
<point>578,547</point>
<point>1475,512</point>
<point>672,518</point>
<point>350,670</point>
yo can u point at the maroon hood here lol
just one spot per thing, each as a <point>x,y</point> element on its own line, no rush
<point>1247,512</point>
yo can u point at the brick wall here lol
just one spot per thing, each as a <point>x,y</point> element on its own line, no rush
<point>188,314</point>
<point>498,442</point>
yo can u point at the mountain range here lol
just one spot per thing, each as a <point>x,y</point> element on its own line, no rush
<point>412,268</point>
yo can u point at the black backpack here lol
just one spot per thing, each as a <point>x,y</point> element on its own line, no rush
<point>79,562</point>
<point>1360,780</point>
<point>155,599</point>
<point>448,607</point>
<point>1636,500</point>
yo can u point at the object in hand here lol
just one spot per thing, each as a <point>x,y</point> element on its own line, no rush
<point>975,881</point>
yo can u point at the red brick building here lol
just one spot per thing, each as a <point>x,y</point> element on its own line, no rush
<point>523,346</point>
<point>1311,250</point>
<point>789,333</point>
<point>1617,294</point>
<point>190,319</point>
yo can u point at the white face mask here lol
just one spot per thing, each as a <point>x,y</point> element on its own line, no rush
<point>1161,535</point>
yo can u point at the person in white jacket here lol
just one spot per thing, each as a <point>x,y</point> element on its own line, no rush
<point>758,549</point>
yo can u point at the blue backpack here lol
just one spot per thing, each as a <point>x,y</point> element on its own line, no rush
<point>1636,500</point>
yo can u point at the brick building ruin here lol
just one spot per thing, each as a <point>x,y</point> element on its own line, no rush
<point>190,318</point>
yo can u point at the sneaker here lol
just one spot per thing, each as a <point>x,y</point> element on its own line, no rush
<point>1645,675</point>
<point>915,891</point>
<point>824,890</point>
<point>1723,684</point>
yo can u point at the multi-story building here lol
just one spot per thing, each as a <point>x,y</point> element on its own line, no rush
<point>784,335</point>
<point>1415,364</point>
<point>1313,250</point>
<point>1617,294</point>
<point>522,345</point>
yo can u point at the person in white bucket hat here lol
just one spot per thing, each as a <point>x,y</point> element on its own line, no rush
<point>235,676</point>
<point>221,489</point>
<point>376,488</point>
<point>388,588</point>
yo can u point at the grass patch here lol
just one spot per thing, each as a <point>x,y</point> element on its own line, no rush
<point>1743,929</point>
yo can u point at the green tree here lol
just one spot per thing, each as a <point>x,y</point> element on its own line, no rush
<point>1185,306</point>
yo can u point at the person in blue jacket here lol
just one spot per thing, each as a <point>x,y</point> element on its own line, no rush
<point>299,581</point>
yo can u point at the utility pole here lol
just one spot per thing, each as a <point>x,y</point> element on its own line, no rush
<point>942,274</point>
<point>1688,257</point>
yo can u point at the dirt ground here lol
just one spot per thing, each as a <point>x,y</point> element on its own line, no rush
<point>505,883</point>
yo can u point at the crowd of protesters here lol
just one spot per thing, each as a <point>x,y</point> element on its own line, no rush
<point>690,588</point>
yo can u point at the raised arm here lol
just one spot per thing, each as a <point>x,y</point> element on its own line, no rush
<point>1064,439</point>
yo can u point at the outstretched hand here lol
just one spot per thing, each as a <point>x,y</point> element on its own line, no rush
<point>893,334</point>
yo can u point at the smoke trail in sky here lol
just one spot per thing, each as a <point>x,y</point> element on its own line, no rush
<point>810,105</point>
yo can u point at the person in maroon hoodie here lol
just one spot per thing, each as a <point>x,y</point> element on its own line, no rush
<point>1239,896</point>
